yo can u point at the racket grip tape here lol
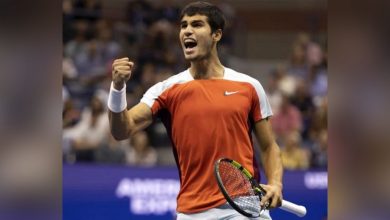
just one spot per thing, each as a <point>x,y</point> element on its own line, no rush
<point>299,210</point>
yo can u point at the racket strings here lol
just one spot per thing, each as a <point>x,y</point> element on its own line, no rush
<point>239,188</point>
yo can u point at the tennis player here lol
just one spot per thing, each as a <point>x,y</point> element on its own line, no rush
<point>209,112</point>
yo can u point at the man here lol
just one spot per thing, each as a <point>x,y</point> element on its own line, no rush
<point>209,112</point>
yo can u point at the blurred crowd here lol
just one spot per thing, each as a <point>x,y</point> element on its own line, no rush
<point>148,34</point>
<point>297,91</point>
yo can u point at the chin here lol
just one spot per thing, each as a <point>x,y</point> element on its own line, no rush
<point>191,58</point>
<point>195,57</point>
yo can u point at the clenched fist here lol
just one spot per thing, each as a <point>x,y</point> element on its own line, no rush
<point>121,72</point>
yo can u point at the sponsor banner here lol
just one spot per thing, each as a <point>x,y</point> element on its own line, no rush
<point>122,192</point>
<point>149,196</point>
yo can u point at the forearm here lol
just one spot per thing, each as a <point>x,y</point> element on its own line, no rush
<point>117,114</point>
<point>119,125</point>
<point>272,163</point>
<point>126,123</point>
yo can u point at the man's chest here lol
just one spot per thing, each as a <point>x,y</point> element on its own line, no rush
<point>211,99</point>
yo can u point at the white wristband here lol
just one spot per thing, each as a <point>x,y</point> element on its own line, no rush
<point>117,99</point>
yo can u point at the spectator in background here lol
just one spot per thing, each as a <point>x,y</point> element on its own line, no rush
<point>140,152</point>
<point>319,85</point>
<point>318,80</point>
<point>314,55</point>
<point>69,70</point>
<point>109,48</point>
<point>298,66</point>
<point>320,119</point>
<point>91,132</point>
<point>139,14</point>
<point>70,114</point>
<point>148,76</point>
<point>75,45</point>
<point>168,10</point>
<point>285,82</point>
<point>159,47</point>
<point>287,120</point>
<point>113,152</point>
<point>319,158</point>
<point>303,101</point>
<point>89,61</point>
<point>294,157</point>
<point>303,39</point>
<point>273,91</point>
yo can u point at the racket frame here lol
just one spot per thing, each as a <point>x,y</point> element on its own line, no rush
<point>260,191</point>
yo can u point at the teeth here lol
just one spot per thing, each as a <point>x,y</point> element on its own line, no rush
<point>189,41</point>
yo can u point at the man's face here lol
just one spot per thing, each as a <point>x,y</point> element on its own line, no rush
<point>195,37</point>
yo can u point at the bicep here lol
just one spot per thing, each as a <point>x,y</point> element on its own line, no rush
<point>141,117</point>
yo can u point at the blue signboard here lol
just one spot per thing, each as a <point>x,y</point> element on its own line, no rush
<point>103,192</point>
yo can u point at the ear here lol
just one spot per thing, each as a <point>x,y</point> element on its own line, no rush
<point>217,35</point>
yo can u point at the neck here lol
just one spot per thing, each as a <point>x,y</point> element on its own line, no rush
<point>207,68</point>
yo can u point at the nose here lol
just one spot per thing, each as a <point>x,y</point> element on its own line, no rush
<point>188,31</point>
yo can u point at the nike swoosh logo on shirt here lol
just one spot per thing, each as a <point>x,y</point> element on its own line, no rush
<point>230,93</point>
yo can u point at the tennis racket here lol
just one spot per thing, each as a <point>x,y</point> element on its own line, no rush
<point>243,192</point>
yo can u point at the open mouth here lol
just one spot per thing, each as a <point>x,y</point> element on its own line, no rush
<point>190,43</point>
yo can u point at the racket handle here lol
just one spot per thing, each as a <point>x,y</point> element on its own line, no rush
<point>299,210</point>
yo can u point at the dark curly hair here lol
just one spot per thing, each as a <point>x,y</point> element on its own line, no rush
<point>214,15</point>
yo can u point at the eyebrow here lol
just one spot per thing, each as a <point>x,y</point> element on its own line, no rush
<point>194,21</point>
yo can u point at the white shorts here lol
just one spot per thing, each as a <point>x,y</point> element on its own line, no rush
<point>224,212</point>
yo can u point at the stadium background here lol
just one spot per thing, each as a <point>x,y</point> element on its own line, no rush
<point>281,43</point>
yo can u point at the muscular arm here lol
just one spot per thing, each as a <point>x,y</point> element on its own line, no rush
<point>272,162</point>
<point>126,123</point>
